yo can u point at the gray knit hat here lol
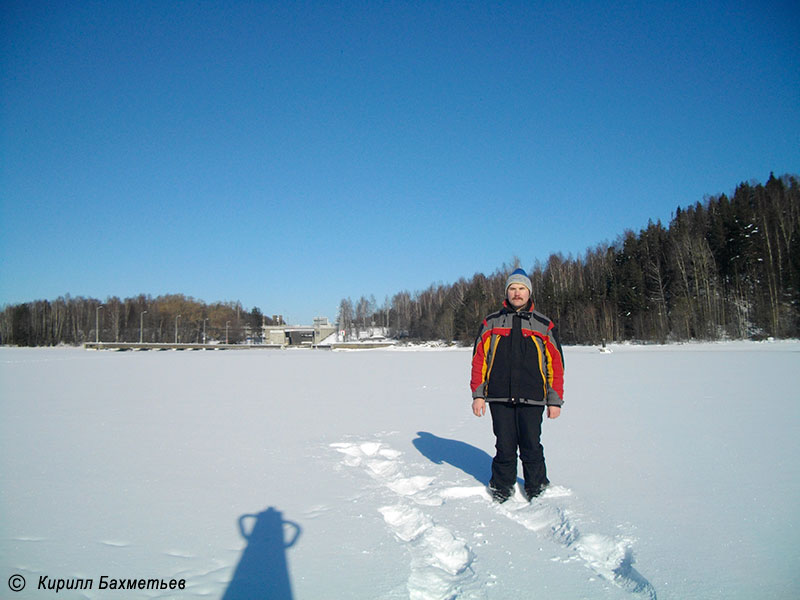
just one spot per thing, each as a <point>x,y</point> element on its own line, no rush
<point>519,276</point>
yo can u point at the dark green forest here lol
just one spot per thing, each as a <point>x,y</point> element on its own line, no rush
<point>725,268</point>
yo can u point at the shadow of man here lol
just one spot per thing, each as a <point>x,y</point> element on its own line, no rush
<point>262,571</point>
<point>473,461</point>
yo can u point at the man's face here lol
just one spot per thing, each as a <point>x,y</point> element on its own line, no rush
<point>518,295</point>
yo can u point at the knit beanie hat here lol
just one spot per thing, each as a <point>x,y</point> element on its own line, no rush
<point>519,276</point>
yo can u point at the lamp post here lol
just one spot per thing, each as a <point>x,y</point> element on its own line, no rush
<point>204,330</point>
<point>176,328</point>
<point>141,325</point>
<point>226,331</point>
<point>97,324</point>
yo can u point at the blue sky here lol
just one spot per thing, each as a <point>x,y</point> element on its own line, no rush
<point>288,155</point>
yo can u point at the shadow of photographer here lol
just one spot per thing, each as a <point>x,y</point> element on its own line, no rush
<point>263,571</point>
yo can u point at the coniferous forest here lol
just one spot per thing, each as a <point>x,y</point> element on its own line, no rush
<point>725,268</point>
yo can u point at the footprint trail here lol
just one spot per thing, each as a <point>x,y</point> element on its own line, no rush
<point>442,563</point>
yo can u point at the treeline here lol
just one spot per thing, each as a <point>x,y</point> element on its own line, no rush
<point>726,268</point>
<point>165,319</point>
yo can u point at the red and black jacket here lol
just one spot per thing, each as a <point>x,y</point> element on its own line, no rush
<point>517,357</point>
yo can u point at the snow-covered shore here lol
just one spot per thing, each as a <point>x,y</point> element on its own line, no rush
<point>360,474</point>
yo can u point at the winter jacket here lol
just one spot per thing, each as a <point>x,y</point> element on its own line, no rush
<point>517,358</point>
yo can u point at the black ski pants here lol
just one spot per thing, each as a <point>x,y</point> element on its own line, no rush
<point>517,426</point>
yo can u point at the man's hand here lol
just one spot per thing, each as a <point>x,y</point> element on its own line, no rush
<point>553,412</point>
<point>479,407</point>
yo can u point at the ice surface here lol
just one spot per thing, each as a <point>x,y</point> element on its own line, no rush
<point>675,469</point>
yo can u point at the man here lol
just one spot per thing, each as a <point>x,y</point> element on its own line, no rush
<point>518,368</point>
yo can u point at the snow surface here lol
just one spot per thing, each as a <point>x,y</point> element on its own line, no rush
<point>314,474</point>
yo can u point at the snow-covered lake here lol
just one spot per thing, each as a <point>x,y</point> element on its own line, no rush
<point>309,474</point>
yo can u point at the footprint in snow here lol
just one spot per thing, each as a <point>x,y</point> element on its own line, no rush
<point>440,561</point>
<point>609,557</point>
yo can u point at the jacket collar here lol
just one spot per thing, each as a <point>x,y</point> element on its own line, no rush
<point>525,311</point>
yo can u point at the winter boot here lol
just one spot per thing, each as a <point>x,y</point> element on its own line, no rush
<point>535,491</point>
<point>500,495</point>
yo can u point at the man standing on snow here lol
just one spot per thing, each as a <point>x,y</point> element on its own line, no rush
<point>518,367</point>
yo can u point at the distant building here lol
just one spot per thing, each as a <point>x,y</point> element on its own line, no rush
<point>297,335</point>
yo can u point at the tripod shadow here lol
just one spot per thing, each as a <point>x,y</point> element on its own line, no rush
<point>262,571</point>
<point>473,461</point>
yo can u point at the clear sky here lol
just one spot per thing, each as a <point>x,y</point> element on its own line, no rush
<point>288,154</point>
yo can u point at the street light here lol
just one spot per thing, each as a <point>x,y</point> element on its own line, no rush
<point>141,324</point>
<point>226,331</point>
<point>176,328</point>
<point>204,330</point>
<point>97,324</point>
